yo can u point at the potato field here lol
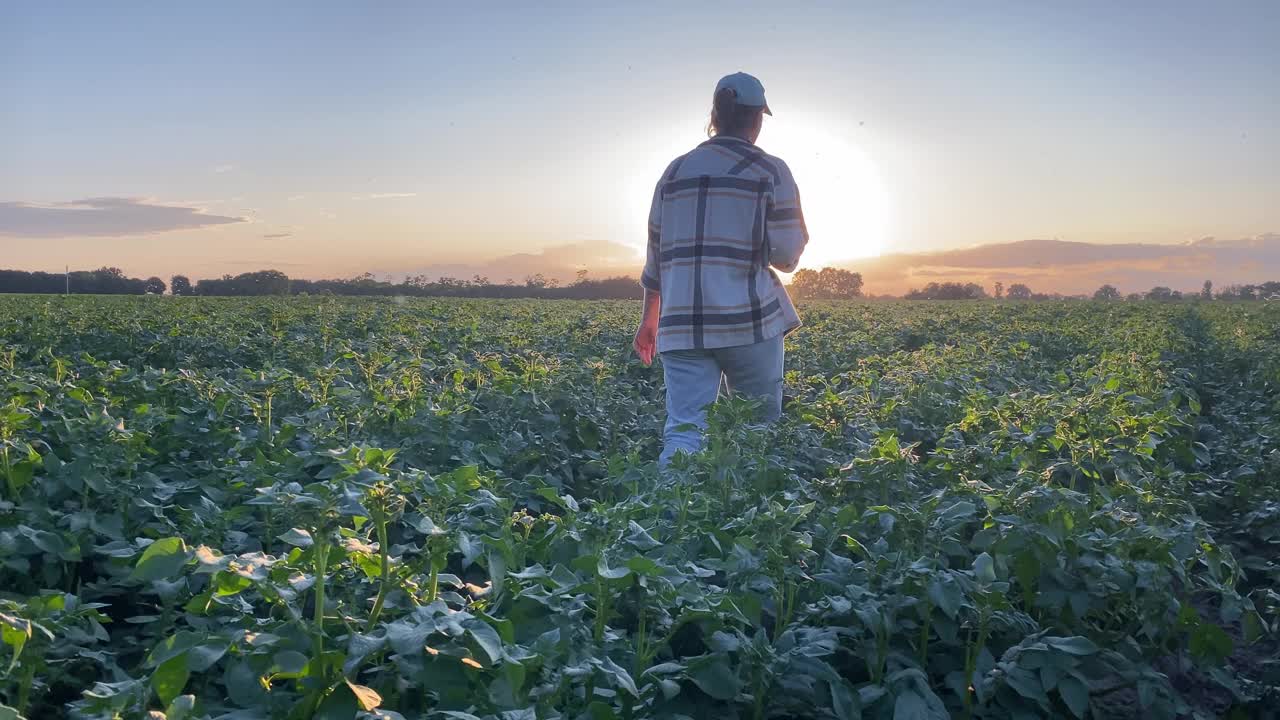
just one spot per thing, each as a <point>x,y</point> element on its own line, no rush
<point>450,510</point>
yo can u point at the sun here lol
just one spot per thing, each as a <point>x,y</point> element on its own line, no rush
<point>846,204</point>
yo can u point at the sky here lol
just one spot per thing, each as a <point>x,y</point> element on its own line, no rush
<point>331,139</point>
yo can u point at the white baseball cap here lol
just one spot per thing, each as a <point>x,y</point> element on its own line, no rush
<point>747,89</point>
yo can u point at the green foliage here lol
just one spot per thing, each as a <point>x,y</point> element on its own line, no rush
<point>298,508</point>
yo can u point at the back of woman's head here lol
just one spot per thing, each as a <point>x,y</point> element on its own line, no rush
<point>730,118</point>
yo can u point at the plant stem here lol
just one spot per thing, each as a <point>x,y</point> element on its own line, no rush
<point>385,555</point>
<point>757,712</point>
<point>433,585</point>
<point>602,609</point>
<point>924,635</point>
<point>24,689</point>
<point>8,472</point>
<point>322,568</point>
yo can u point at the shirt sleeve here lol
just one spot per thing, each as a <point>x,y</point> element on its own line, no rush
<point>650,278</point>
<point>784,223</point>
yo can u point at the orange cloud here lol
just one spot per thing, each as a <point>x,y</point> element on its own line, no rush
<point>1076,267</point>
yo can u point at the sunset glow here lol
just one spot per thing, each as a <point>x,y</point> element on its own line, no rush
<point>846,204</point>
<point>506,141</point>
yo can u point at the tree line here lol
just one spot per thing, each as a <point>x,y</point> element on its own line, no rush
<point>113,281</point>
<point>825,284</point>
<point>1020,291</point>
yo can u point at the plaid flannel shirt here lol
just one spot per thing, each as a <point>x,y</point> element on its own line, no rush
<point>722,215</point>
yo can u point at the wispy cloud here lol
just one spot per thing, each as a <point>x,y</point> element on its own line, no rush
<point>260,264</point>
<point>384,196</point>
<point>274,236</point>
<point>599,257</point>
<point>103,217</point>
<point>224,168</point>
<point>295,198</point>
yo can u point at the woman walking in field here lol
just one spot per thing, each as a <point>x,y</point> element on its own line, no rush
<point>723,215</point>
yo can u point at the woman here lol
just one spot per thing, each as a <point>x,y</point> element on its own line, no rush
<point>722,216</point>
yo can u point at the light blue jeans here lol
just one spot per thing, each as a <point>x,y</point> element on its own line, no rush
<point>693,382</point>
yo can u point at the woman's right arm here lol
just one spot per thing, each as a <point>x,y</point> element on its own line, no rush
<point>646,340</point>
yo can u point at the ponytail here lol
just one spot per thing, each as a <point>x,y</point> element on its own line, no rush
<point>728,117</point>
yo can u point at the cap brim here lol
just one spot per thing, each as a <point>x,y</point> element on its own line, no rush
<point>767,111</point>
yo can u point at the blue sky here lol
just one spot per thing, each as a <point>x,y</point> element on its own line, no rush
<point>408,136</point>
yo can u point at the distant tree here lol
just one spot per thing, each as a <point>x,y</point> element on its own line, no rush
<point>1160,293</point>
<point>999,290</point>
<point>106,281</point>
<point>1106,292</point>
<point>262,282</point>
<point>1018,291</point>
<point>181,285</point>
<point>1206,293</point>
<point>581,277</point>
<point>20,281</point>
<point>826,284</point>
<point>948,291</point>
<point>537,281</point>
<point>103,281</point>
<point>155,286</point>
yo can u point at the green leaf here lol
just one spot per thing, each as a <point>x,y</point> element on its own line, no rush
<point>288,663</point>
<point>161,560</point>
<point>464,479</point>
<point>51,543</point>
<point>1253,625</point>
<point>170,678</point>
<point>173,646</point>
<point>1210,642</point>
<point>486,639</point>
<point>621,677</point>
<point>945,595</point>
<point>844,702</point>
<point>297,537</point>
<point>243,685</point>
<point>600,711</point>
<point>1075,695</point>
<point>21,473</point>
<point>180,708</point>
<point>640,538</point>
<point>425,526</point>
<point>716,679</point>
<point>15,634</point>
<point>1026,683</point>
<point>984,569</point>
<point>911,705</point>
<point>611,573</point>
<point>203,657</point>
<point>642,565</point>
<point>1076,645</point>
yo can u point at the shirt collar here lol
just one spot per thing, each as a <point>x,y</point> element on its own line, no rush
<point>728,140</point>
